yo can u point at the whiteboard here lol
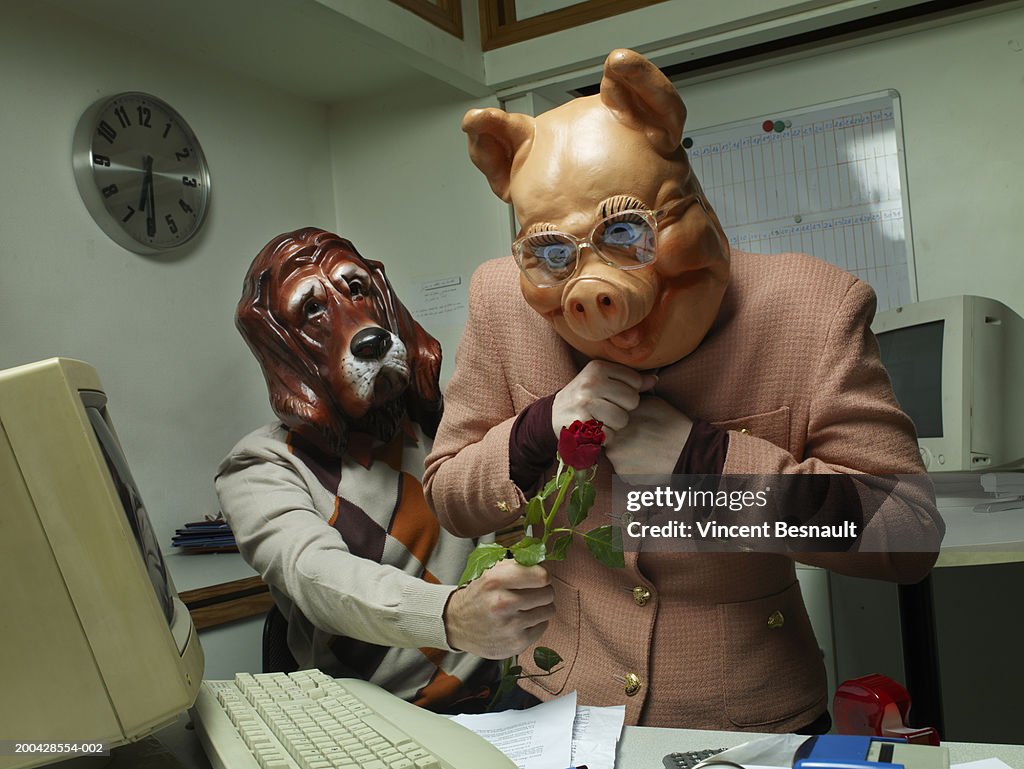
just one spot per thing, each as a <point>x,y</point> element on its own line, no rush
<point>827,180</point>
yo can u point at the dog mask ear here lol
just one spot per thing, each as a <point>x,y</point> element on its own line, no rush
<point>296,391</point>
<point>495,137</point>
<point>639,95</point>
<point>423,399</point>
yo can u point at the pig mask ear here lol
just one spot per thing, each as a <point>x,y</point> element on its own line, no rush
<point>640,97</point>
<point>494,139</point>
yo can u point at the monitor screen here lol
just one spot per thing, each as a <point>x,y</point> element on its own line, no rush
<point>131,500</point>
<point>913,357</point>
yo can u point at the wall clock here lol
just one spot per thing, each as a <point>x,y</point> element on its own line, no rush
<point>141,172</point>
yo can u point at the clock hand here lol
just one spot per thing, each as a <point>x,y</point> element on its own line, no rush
<point>151,213</point>
<point>147,182</point>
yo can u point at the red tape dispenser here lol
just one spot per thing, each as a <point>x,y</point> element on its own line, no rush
<point>878,706</point>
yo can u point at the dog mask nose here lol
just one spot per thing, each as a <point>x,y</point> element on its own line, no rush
<point>371,343</point>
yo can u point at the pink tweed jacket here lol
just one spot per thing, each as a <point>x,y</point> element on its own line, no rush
<point>792,371</point>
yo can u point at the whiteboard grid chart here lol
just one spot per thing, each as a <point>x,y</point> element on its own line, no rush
<point>829,184</point>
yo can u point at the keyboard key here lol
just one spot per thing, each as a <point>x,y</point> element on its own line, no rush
<point>307,720</point>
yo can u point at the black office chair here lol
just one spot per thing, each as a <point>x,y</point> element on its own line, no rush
<point>277,657</point>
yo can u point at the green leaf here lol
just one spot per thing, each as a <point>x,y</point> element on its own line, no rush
<point>545,658</point>
<point>605,542</point>
<point>558,547</point>
<point>580,502</point>
<point>529,551</point>
<point>480,560</point>
<point>534,512</point>
<point>549,488</point>
<point>515,670</point>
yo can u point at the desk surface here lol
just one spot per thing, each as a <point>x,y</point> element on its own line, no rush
<point>976,538</point>
<point>641,747</point>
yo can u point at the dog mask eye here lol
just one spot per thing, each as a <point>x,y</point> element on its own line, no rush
<point>349,278</point>
<point>313,307</point>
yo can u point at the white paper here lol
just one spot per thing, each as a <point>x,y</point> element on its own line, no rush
<point>985,763</point>
<point>439,299</point>
<point>775,750</point>
<point>595,733</point>
<point>537,738</point>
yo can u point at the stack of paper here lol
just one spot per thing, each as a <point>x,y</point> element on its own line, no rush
<point>553,735</point>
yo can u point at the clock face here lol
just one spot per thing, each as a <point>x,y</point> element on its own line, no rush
<point>141,172</point>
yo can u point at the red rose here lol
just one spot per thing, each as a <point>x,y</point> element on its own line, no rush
<point>579,444</point>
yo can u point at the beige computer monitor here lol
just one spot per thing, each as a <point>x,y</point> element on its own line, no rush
<point>96,646</point>
<point>957,368</point>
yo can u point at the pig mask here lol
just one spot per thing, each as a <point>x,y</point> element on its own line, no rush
<point>583,162</point>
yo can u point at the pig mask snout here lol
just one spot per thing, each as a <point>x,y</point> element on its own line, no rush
<point>597,306</point>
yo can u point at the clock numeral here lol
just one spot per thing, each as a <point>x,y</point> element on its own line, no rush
<point>188,181</point>
<point>100,160</point>
<point>185,206</point>
<point>170,224</point>
<point>167,130</point>
<point>144,116</point>
<point>122,116</point>
<point>185,152</point>
<point>106,131</point>
<point>129,215</point>
<point>110,189</point>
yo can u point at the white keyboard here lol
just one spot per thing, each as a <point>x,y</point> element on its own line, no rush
<point>308,720</point>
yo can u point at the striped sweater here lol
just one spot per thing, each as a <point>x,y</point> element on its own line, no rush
<point>355,560</point>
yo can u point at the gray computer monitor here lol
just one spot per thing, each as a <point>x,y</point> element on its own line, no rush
<point>957,368</point>
<point>96,645</point>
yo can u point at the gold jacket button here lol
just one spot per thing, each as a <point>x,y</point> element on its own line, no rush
<point>744,431</point>
<point>641,595</point>
<point>632,681</point>
<point>776,620</point>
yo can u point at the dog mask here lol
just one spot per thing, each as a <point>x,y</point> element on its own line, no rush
<point>585,162</point>
<point>338,350</point>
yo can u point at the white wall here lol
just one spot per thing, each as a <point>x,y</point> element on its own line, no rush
<point>396,32</point>
<point>408,195</point>
<point>182,385</point>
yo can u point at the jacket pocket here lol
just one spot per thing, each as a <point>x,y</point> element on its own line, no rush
<point>563,637</point>
<point>772,426</point>
<point>772,666</point>
<point>521,397</point>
